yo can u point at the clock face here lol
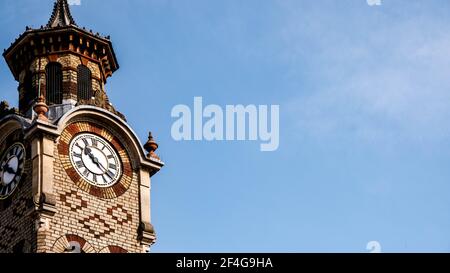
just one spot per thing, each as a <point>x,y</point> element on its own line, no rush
<point>95,160</point>
<point>11,169</point>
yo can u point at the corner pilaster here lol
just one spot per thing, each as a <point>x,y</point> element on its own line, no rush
<point>42,136</point>
<point>147,234</point>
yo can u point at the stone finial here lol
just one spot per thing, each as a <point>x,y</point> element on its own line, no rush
<point>151,146</point>
<point>41,108</point>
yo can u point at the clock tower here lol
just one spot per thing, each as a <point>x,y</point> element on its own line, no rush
<point>73,174</point>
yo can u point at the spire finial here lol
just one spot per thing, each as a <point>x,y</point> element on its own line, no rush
<point>61,15</point>
<point>151,146</point>
<point>41,108</point>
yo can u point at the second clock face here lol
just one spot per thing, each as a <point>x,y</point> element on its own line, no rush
<point>95,160</point>
<point>11,169</point>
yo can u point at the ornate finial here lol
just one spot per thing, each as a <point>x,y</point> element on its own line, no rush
<point>151,146</point>
<point>41,108</point>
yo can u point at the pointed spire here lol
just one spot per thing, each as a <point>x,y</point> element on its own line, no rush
<point>61,15</point>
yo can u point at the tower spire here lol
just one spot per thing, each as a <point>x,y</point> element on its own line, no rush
<point>61,15</point>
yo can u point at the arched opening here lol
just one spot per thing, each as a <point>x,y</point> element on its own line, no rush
<point>54,84</point>
<point>84,85</point>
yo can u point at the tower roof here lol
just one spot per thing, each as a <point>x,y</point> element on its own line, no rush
<point>61,34</point>
<point>61,15</point>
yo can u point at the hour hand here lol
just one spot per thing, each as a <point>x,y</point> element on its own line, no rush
<point>88,151</point>
<point>8,169</point>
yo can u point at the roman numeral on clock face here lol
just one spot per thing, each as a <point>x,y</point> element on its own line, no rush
<point>11,186</point>
<point>86,143</point>
<point>19,154</point>
<point>94,142</point>
<point>80,164</point>
<point>3,190</point>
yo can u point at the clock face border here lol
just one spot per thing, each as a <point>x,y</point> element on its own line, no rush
<point>107,171</point>
<point>21,162</point>
<point>112,192</point>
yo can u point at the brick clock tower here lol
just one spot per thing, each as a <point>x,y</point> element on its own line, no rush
<point>73,175</point>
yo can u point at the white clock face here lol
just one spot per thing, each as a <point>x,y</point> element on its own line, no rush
<point>11,169</point>
<point>95,160</point>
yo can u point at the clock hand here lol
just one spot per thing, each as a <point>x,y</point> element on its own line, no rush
<point>8,169</point>
<point>103,169</point>
<point>88,151</point>
<point>97,162</point>
<point>101,166</point>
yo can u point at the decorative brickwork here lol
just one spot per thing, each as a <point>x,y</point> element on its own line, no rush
<point>73,200</point>
<point>102,222</point>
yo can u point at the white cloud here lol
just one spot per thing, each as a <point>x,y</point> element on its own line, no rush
<point>391,82</point>
<point>75,2</point>
<point>374,2</point>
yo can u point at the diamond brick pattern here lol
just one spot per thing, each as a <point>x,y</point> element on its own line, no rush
<point>74,201</point>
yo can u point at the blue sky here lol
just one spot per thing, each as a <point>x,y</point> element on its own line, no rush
<point>364,95</point>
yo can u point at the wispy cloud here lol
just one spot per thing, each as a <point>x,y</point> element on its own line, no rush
<point>75,2</point>
<point>377,77</point>
<point>374,2</point>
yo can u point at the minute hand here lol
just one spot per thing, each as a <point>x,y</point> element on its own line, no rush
<point>88,151</point>
<point>103,168</point>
